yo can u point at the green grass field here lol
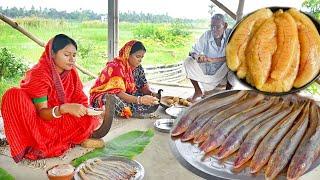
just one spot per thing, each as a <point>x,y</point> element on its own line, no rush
<point>92,40</point>
<point>91,37</point>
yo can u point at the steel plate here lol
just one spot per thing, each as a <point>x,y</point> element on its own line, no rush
<point>191,157</point>
<point>174,111</point>
<point>164,125</point>
<point>139,168</point>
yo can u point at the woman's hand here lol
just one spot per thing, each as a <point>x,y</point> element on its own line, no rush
<point>202,59</point>
<point>156,95</point>
<point>74,109</point>
<point>149,100</point>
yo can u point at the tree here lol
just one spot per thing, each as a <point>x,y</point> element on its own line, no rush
<point>211,9</point>
<point>84,15</point>
<point>313,6</point>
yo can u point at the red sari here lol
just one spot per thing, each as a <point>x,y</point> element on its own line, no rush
<point>116,76</point>
<point>32,137</point>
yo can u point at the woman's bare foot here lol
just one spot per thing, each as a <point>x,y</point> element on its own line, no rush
<point>195,97</point>
<point>93,143</point>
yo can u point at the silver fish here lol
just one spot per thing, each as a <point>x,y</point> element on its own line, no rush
<point>235,110</point>
<point>254,137</point>
<point>236,137</point>
<point>309,148</point>
<point>218,134</point>
<point>271,140</point>
<point>201,107</point>
<point>285,150</point>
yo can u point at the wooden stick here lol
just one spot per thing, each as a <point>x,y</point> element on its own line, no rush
<point>84,71</point>
<point>223,7</point>
<point>16,26</point>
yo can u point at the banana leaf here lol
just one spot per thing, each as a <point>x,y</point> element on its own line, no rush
<point>128,145</point>
<point>4,175</point>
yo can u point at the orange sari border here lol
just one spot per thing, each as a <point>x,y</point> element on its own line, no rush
<point>114,83</point>
<point>116,76</point>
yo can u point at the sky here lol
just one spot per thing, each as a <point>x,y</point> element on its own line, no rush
<point>192,9</point>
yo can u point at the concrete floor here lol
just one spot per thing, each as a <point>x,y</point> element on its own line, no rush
<point>157,159</point>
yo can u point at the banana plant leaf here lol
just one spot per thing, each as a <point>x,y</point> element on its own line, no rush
<point>4,175</point>
<point>128,145</point>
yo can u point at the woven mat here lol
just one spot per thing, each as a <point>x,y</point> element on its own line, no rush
<point>68,156</point>
<point>47,163</point>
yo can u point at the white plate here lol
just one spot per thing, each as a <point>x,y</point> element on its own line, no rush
<point>164,125</point>
<point>94,112</point>
<point>175,111</point>
<point>135,164</point>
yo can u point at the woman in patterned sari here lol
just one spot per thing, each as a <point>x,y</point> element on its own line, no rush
<point>124,77</point>
<point>48,113</point>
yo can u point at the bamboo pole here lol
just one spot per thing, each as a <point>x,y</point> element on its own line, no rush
<point>16,26</point>
<point>85,71</point>
<point>224,8</point>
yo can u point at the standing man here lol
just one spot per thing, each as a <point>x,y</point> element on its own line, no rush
<point>206,63</point>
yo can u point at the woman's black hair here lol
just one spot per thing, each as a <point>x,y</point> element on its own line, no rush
<point>137,47</point>
<point>60,41</point>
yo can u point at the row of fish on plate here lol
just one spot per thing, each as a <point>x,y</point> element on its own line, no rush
<point>113,170</point>
<point>271,132</point>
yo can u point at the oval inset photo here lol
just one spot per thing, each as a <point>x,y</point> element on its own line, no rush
<point>275,50</point>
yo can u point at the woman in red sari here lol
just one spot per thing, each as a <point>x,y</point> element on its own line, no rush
<point>124,77</point>
<point>48,113</point>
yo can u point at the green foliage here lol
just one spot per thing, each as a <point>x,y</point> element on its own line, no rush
<point>5,84</point>
<point>36,22</point>
<point>93,24</point>
<point>85,15</point>
<point>313,6</point>
<point>144,30</point>
<point>10,66</point>
<point>84,50</point>
<point>127,26</point>
<point>4,175</point>
<point>170,35</point>
<point>128,145</point>
<point>314,89</point>
<point>50,13</point>
<point>93,40</point>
